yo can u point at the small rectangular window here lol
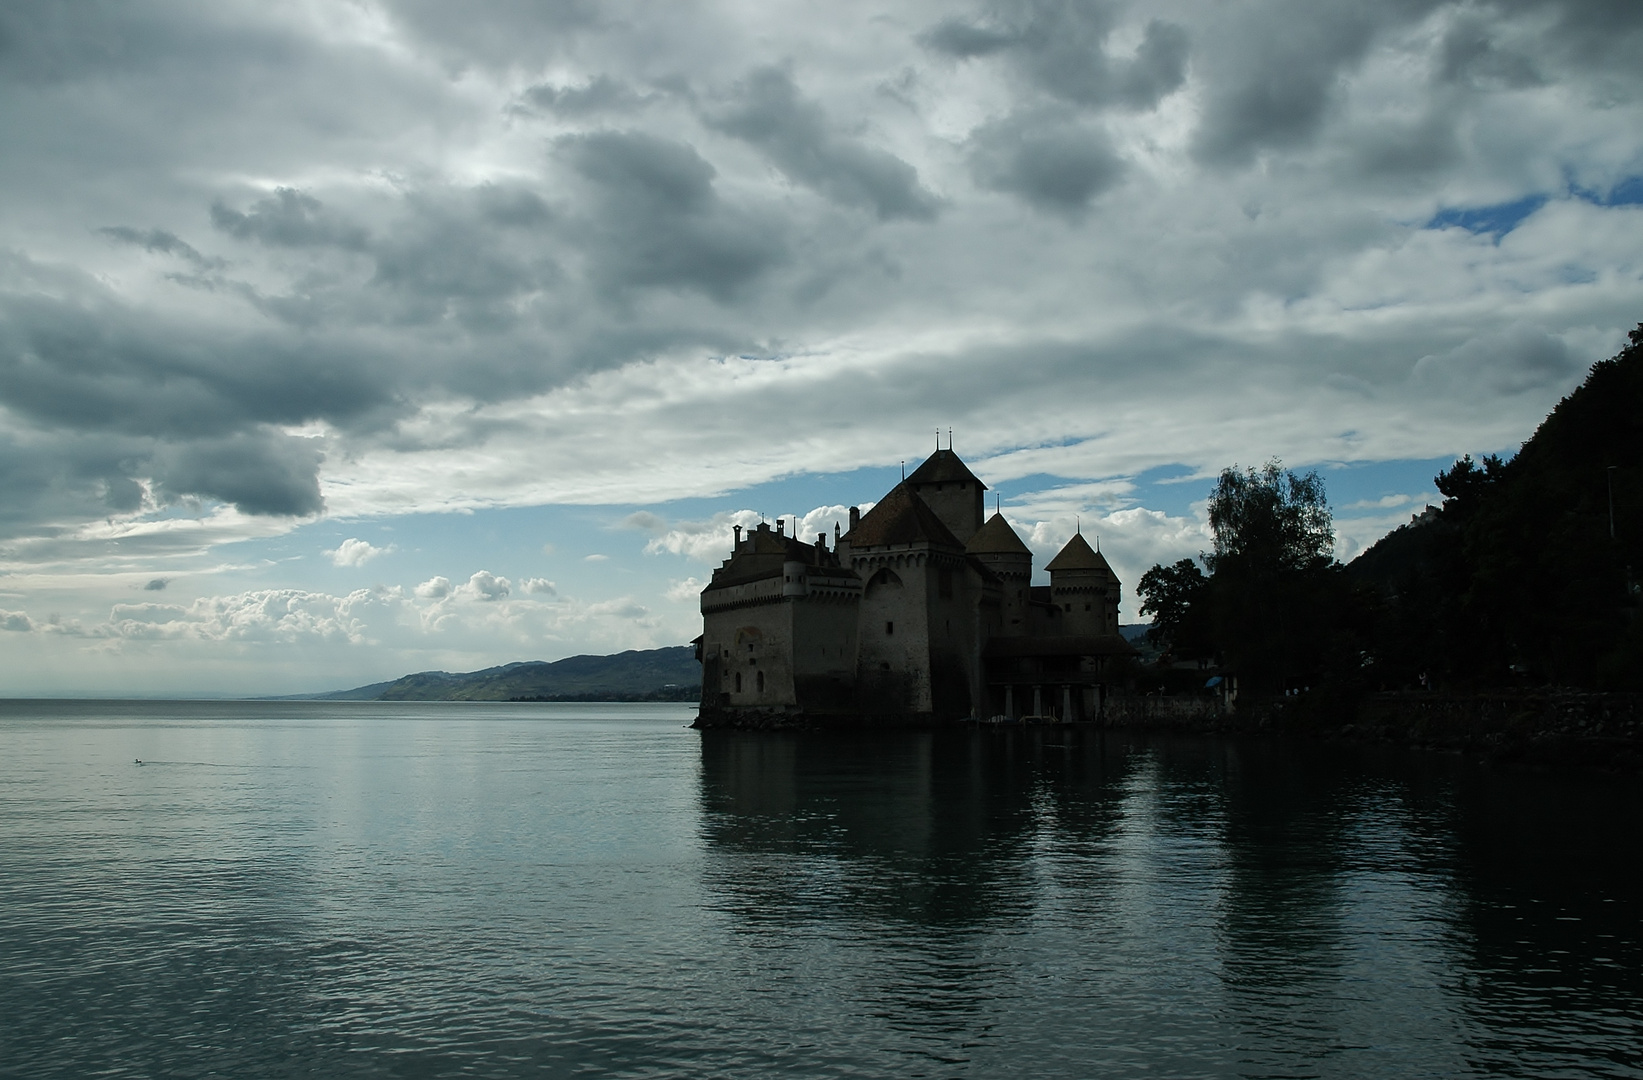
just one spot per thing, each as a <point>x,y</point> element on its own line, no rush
<point>889,628</point>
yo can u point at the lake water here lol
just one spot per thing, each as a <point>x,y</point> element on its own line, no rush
<point>544,890</point>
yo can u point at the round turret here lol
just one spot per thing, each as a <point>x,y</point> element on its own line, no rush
<point>997,547</point>
<point>1084,587</point>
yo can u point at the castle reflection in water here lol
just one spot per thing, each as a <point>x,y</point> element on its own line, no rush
<point>1297,891</point>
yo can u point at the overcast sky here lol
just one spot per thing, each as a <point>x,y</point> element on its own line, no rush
<point>345,339</point>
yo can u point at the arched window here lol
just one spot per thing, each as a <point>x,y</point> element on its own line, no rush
<point>738,682</point>
<point>761,682</point>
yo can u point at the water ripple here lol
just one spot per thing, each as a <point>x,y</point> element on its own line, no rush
<point>582,891</point>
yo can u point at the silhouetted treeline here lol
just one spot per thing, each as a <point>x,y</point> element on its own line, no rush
<point>1527,574</point>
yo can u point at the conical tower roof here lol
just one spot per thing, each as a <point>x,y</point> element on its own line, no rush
<point>997,537</point>
<point>943,467</point>
<point>1078,555</point>
<point>901,517</point>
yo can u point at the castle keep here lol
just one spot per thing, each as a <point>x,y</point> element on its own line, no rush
<point>921,613</point>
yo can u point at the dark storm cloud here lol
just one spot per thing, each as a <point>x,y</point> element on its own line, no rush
<point>59,43</point>
<point>161,242</point>
<point>768,112</point>
<point>467,254</point>
<point>289,218</point>
<point>115,396</point>
<point>374,245</point>
<point>964,40</point>
<point>1060,47</point>
<point>1276,69</point>
<point>598,96</point>
<point>453,257</point>
<point>655,219</point>
<point>1512,360</point>
<point>1272,83</point>
<point>1047,159</point>
<point>55,479</point>
<point>258,471</point>
<point>1406,149</point>
<point>92,364</point>
<point>1471,53</point>
<point>1605,34</point>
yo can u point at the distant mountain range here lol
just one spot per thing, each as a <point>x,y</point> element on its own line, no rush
<point>670,674</point>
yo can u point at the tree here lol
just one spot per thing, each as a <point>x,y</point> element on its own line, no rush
<point>1174,597</point>
<point>1275,606</point>
<point>1270,521</point>
<point>1280,608</point>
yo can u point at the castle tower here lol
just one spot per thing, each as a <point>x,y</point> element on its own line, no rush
<point>997,547</point>
<point>918,643</point>
<point>779,629</point>
<point>949,488</point>
<point>1086,590</point>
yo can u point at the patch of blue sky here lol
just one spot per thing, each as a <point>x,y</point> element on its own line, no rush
<point>798,494</point>
<point>514,542</point>
<point>1358,489</point>
<point>1020,487</point>
<point>1625,192</point>
<point>1496,220</point>
<point>1367,489</point>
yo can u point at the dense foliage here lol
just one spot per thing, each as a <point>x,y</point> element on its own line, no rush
<point>1274,606</point>
<point>1527,575</point>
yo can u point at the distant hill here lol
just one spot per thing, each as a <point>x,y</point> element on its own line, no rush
<point>1136,635</point>
<point>670,674</point>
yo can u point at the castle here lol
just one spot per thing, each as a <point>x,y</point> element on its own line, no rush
<point>921,613</point>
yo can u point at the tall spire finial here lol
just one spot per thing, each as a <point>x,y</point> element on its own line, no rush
<point>949,438</point>
<point>904,468</point>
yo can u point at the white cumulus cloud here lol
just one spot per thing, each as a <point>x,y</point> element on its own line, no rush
<point>484,585</point>
<point>356,552</point>
<point>435,588</point>
<point>688,590</point>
